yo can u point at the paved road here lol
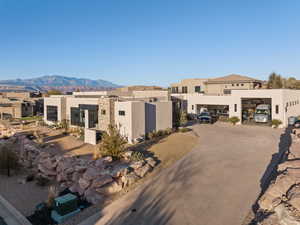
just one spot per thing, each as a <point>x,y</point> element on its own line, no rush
<point>215,184</point>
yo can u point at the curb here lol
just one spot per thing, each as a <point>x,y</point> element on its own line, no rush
<point>18,216</point>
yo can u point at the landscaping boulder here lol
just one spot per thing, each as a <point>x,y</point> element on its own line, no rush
<point>141,172</point>
<point>83,183</point>
<point>93,197</point>
<point>46,171</point>
<point>138,164</point>
<point>129,179</point>
<point>100,181</point>
<point>91,173</point>
<point>110,188</point>
<point>151,162</point>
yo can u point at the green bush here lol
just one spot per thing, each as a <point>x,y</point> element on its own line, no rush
<point>113,143</point>
<point>137,156</point>
<point>234,120</point>
<point>276,123</point>
<point>184,129</point>
<point>9,159</point>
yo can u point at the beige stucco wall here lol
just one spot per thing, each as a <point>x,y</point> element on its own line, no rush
<point>190,84</point>
<point>58,101</point>
<point>163,115</point>
<point>159,94</point>
<point>124,123</point>
<point>218,89</point>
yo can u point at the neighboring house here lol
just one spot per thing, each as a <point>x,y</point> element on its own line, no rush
<point>215,86</point>
<point>188,86</point>
<point>95,111</point>
<point>224,85</point>
<point>20,104</point>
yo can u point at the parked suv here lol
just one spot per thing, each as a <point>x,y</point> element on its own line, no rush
<point>204,117</point>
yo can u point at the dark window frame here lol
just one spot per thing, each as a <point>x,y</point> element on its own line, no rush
<point>122,113</point>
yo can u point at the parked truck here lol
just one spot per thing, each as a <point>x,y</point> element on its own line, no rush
<point>262,113</point>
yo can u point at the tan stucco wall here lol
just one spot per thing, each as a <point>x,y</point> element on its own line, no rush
<point>218,89</point>
<point>190,84</point>
<point>58,101</point>
<point>163,115</point>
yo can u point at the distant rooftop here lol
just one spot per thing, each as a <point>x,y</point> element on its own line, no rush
<point>232,77</point>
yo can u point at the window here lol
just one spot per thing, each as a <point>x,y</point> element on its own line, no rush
<point>242,84</point>
<point>93,118</point>
<point>277,109</point>
<point>103,112</point>
<point>174,89</point>
<point>121,113</point>
<point>184,89</point>
<point>51,113</point>
<point>198,89</point>
<point>77,117</point>
<point>237,84</point>
<point>227,91</point>
<point>235,107</point>
<point>192,107</point>
<point>232,85</point>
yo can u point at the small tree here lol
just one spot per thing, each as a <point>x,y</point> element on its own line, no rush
<point>234,120</point>
<point>113,143</point>
<point>8,158</point>
<point>65,125</point>
<point>183,118</point>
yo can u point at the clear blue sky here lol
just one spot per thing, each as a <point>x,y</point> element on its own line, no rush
<point>149,41</point>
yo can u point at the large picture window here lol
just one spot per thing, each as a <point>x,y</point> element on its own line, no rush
<point>77,117</point>
<point>51,113</point>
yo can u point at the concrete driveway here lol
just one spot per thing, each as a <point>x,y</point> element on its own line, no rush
<point>215,184</point>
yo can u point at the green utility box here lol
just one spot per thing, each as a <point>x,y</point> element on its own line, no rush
<point>66,204</point>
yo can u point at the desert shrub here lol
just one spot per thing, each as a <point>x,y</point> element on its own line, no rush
<point>276,123</point>
<point>65,126</point>
<point>52,194</point>
<point>184,129</point>
<point>234,120</point>
<point>9,159</point>
<point>113,143</point>
<point>42,181</point>
<point>39,137</point>
<point>183,118</point>
<point>160,133</point>
<point>137,156</point>
<point>168,131</point>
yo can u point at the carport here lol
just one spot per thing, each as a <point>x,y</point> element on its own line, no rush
<point>249,106</point>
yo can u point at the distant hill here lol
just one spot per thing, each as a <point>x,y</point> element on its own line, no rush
<point>61,83</point>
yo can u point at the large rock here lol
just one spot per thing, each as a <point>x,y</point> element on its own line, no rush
<point>100,181</point>
<point>93,197</point>
<point>151,162</point>
<point>273,196</point>
<point>49,163</point>
<point>289,164</point>
<point>46,171</point>
<point>129,179</point>
<point>91,173</point>
<point>110,188</point>
<point>141,172</point>
<point>284,217</point>
<point>137,165</point>
<point>83,183</point>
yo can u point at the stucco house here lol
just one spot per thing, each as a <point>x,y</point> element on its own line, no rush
<point>135,113</point>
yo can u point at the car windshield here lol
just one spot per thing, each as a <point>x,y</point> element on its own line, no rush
<point>262,111</point>
<point>204,114</point>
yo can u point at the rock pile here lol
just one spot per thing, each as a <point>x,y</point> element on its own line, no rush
<point>283,195</point>
<point>93,179</point>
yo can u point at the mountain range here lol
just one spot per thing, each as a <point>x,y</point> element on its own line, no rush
<point>59,82</point>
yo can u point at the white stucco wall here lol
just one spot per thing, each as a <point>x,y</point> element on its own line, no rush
<point>281,97</point>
